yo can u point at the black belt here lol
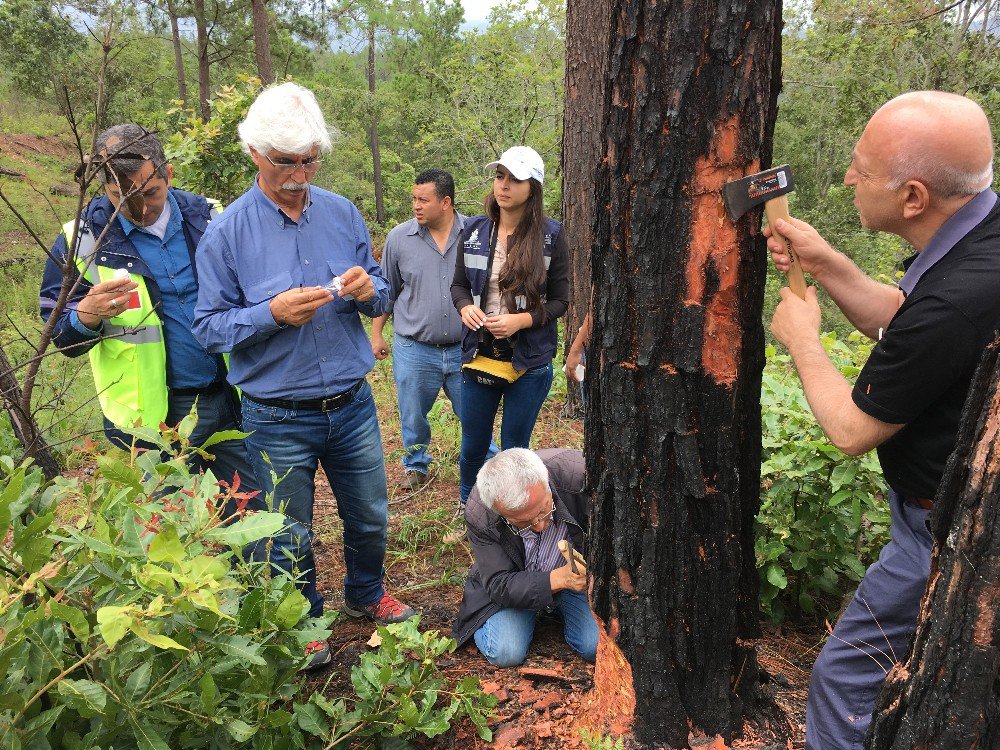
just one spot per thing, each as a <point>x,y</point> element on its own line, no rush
<point>431,343</point>
<point>205,390</point>
<point>328,403</point>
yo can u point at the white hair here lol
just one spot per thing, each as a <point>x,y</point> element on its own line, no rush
<point>941,179</point>
<point>285,118</point>
<point>508,477</point>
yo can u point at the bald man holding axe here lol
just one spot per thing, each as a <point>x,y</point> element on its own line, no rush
<point>922,170</point>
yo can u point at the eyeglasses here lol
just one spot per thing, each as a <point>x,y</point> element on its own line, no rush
<point>309,164</point>
<point>522,529</point>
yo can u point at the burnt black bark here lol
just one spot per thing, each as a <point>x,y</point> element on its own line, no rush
<point>946,694</point>
<point>587,28</point>
<point>673,427</point>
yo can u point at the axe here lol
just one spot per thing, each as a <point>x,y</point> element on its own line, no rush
<point>770,188</point>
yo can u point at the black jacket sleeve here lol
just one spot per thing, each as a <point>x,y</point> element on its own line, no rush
<point>65,337</point>
<point>556,284</point>
<point>506,585</point>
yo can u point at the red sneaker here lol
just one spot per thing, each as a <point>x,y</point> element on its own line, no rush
<point>319,655</point>
<point>389,609</point>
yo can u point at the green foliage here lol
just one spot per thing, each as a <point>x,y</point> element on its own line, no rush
<point>207,156</point>
<point>823,515</point>
<point>400,693</point>
<point>595,741</point>
<point>38,43</point>
<point>129,619</point>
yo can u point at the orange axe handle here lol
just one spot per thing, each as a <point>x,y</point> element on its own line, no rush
<point>777,208</point>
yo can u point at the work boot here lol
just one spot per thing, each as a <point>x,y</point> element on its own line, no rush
<point>412,480</point>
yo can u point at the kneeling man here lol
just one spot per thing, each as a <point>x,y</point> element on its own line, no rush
<point>524,503</point>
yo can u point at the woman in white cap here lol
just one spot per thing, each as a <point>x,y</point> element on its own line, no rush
<point>511,285</point>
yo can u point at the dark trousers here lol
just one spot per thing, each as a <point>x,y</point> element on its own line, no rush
<point>875,631</point>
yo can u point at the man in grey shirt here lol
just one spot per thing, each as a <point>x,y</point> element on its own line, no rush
<point>419,262</point>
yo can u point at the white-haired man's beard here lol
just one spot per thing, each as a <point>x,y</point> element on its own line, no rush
<point>294,185</point>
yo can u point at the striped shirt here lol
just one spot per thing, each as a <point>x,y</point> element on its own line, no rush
<point>541,551</point>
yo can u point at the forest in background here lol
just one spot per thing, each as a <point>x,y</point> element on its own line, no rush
<point>408,86</point>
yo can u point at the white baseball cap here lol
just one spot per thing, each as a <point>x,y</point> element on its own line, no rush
<point>522,162</point>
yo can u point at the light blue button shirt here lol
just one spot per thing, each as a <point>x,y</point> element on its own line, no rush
<point>253,252</point>
<point>168,260</point>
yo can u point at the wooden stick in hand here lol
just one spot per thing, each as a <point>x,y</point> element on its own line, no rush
<point>573,558</point>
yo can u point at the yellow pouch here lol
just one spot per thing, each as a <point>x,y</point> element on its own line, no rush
<point>491,372</point>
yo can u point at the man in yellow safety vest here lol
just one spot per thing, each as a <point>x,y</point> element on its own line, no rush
<point>133,311</point>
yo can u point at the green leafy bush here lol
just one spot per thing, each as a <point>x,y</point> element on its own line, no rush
<point>823,515</point>
<point>128,618</point>
<point>207,156</point>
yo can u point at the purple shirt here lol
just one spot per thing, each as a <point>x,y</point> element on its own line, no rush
<point>959,224</point>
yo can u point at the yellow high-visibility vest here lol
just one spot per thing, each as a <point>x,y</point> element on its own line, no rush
<point>130,363</point>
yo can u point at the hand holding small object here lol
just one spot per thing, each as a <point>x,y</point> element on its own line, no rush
<point>296,307</point>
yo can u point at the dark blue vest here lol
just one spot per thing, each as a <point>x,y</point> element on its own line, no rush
<point>533,347</point>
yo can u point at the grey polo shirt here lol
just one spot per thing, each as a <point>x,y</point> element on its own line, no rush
<point>420,283</point>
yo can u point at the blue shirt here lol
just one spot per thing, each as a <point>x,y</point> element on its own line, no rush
<point>252,253</point>
<point>169,263</point>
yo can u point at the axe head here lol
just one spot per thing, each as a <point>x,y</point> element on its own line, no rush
<point>755,189</point>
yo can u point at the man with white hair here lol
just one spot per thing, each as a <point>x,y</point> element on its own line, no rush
<point>523,505</point>
<point>285,273</point>
<point>922,170</point>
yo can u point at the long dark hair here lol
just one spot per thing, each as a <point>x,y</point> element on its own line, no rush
<point>524,272</point>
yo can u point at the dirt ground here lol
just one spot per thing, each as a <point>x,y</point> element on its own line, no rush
<point>538,702</point>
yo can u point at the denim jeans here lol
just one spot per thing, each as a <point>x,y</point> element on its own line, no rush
<point>348,443</point>
<point>505,637</point>
<point>873,633</point>
<point>217,411</point>
<point>522,400</point>
<point>420,372</point>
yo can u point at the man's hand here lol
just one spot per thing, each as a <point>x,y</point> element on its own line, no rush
<point>812,249</point>
<point>506,325</point>
<point>357,283</point>
<point>296,307</point>
<point>379,348</point>
<point>573,360</point>
<point>563,579</point>
<point>473,317</point>
<point>103,301</point>
<point>796,318</point>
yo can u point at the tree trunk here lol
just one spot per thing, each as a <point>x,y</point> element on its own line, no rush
<point>946,695</point>
<point>588,25</point>
<point>673,429</point>
<point>204,80</point>
<point>175,36</point>
<point>373,130</point>
<point>23,423</point>
<point>262,42</point>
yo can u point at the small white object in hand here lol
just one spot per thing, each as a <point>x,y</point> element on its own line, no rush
<point>336,285</point>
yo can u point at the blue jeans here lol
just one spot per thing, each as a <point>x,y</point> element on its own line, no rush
<point>875,631</point>
<point>505,637</point>
<point>420,372</point>
<point>348,444</point>
<point>522,400</point>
